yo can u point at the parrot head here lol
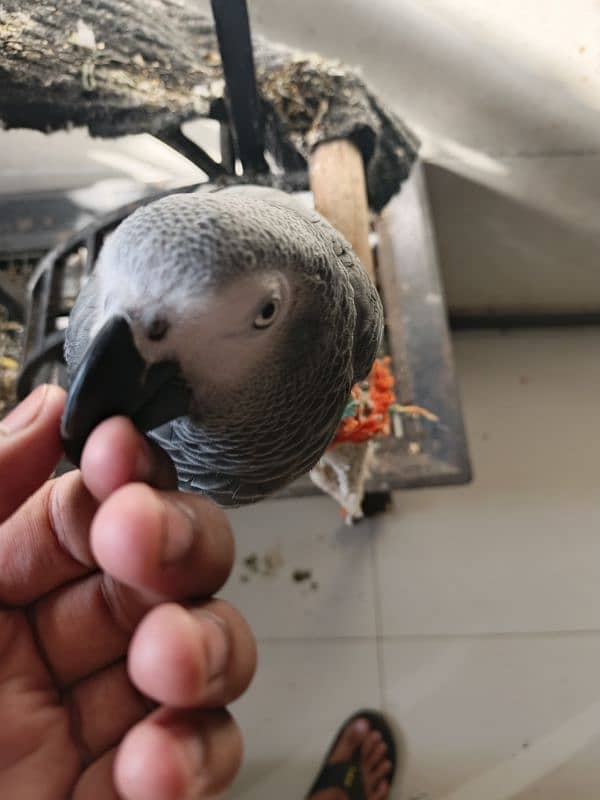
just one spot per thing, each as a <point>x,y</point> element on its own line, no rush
<point>227,324</point>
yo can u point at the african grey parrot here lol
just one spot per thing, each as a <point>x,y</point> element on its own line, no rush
<point>231,324</point>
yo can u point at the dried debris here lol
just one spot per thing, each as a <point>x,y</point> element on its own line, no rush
<point>251,563</point>
<point>269,565</point>
<point>301,575</point>
<point>310,99</point>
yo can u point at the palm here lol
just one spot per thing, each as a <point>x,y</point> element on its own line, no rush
<point>37,735</point>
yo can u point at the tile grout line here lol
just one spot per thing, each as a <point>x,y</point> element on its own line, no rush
<point>378,619</point>
<point>423,637</point>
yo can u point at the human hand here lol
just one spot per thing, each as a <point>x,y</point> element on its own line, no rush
<point>115,661</point>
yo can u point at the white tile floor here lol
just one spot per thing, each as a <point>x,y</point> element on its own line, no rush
<point>471,614</point>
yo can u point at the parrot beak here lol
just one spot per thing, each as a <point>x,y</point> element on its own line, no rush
<point>113,379</point>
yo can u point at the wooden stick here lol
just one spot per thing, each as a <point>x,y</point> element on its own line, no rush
<point>337,180</point>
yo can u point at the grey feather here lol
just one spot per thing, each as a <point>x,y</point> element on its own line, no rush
<point>80,322</point>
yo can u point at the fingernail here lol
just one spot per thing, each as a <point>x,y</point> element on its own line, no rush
<point>178,531</point>
<point>216,642</point>
<point>25,413</point>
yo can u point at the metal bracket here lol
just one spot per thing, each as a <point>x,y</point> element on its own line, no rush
<point>240,114</point>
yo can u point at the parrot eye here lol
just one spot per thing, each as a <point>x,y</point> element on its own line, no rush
<point>157,329</point>
<point>267,314</point>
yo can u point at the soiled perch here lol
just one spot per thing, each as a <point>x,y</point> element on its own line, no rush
<point>231,324</point>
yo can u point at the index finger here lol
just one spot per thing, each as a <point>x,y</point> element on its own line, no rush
<point>46,543</point>
<point>30,446</point>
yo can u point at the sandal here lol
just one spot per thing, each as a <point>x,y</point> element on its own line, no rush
<point>347,775</point>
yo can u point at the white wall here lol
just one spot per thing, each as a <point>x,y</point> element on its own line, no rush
<point>506,97</point>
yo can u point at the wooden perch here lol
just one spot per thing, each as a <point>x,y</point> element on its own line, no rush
<point>130,66</point>
<point>337,181</point>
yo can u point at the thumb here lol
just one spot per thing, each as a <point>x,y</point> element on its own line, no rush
<point>30,446</point>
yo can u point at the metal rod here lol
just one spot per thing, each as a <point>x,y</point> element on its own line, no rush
<point>227,147</point>
<point>50,351</point>
<point>176,139</point>
<point>235,44</point>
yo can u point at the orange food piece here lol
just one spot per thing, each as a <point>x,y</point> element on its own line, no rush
<point>373,412</point>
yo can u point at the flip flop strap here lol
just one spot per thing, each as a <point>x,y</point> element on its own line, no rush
<point>345,775</point>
